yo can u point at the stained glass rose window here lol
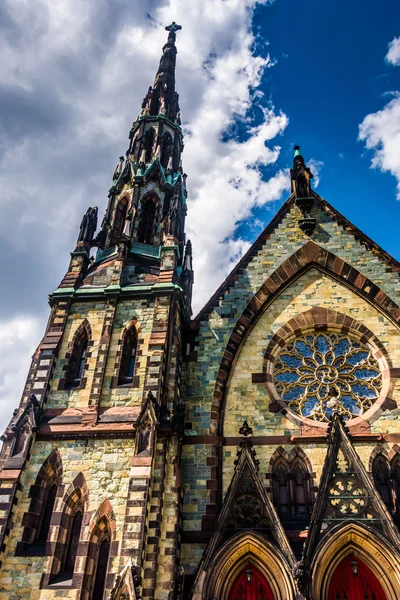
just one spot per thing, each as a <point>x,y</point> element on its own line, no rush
<point>312,368</point>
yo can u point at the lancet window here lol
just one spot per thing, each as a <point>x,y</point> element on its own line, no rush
<point>166,149</point>
<point>381,474</point>
<point>119,220</point>
<point>149,143</point>
<point>77,359</point>
<point>291,489</point>
<point>147,221</point>
<point>38,519</point>
<point>128,360</point>
<point>103,554</point>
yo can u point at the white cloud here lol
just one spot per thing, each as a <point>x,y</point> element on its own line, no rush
<point>380,132</point>
<point>19,338</point>
<point>77,72</point>
<point>393,53</point>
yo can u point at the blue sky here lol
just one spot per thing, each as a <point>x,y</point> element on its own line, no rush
<point>330,74</point>
<point>254,77</point>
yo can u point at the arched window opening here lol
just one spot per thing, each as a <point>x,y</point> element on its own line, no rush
<point>22,439</point>
<point>292,491</point>
<point>80,365</point>
<point>149,143</point>
<point>177,152</point>
<point>280,479</point>
<point>301,491</point>
<point>395,479</point>
<point>143,441</point>
<point>47,514</point>
<point>166,149</point>
<point>78,360</point>
<point>101,567</point>
<point>147,222</point>
<point>119,220</point>
<point>128,360</point>
<point>36,521</point>
<point>155,102</point>
<point>346,585</point>
<point>381,474</point>
<point>73,541</point>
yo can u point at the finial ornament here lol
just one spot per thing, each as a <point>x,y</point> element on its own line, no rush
<point>245,430</point>
<point>173,27</point>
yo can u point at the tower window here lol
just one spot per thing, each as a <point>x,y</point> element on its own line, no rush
<point>147,222</point>
<point>48,512</point>
<point>73,541</point>
<point>166,149</point>
<point>119,220</point>
<point>81,363</point>
<point>101,568</point>
<point>149,143</point>
<point>128,361</point>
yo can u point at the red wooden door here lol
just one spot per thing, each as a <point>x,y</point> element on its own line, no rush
<point>258,589</point>
<point>347,586</point>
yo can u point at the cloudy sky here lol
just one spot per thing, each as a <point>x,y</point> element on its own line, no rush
<point>254,78</point>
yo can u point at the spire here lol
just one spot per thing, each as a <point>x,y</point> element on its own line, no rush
<point>301,177</point>
<point>161,97</point>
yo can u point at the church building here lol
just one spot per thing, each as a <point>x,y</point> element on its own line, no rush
<point>251,452</point>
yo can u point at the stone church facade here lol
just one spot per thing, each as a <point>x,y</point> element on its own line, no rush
<point>251,452</point>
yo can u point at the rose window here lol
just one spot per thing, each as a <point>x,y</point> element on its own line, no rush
<point>313,368</point>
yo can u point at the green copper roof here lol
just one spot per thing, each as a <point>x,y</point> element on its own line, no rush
<point>297,151</point>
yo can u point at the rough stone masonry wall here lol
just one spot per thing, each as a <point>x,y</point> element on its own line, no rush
<point>106,466</point>
<point>139,310</point>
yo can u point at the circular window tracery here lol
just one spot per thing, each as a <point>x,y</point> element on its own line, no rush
<point>312,368</point>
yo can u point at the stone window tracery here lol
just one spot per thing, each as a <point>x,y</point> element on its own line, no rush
<point>312,367</point>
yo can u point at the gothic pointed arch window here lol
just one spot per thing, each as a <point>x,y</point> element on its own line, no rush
<point>166,150</point>
<point>301,493</point>
<point>291,487</point>
<point>280,486</point>
<point>76,365</point>
<point>155,102</point>
<point>128,358</point>
<point>73,541</point>
<point>395,477</point>
<point>381,474</point>
<point>101,568</point>
<point>119,220</point>
<point>149,143</point>
<point>177,151</point>
<point>147,220</point>
<point>37,520</point>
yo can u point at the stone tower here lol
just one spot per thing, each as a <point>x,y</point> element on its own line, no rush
<point>95,442</point>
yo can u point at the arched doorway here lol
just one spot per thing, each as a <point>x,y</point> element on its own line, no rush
<point>353,580</point>
<point>250,584</point>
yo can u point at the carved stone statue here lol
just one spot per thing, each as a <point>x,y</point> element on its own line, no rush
<point>88,226</point>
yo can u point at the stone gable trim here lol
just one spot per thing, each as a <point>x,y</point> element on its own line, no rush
<point>358,235</point>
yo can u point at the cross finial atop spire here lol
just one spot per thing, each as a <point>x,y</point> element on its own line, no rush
<point>173,28</point>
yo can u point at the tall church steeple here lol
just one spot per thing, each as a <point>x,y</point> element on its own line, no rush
<point>147,201</point>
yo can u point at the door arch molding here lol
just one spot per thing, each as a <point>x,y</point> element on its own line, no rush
<point>217,578</point>
<point>370,547</point>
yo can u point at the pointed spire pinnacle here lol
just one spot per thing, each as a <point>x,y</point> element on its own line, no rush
<point>297,151</point>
